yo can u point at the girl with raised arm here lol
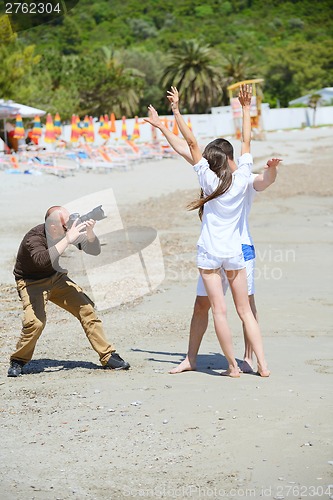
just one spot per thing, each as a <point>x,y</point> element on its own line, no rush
<point>219,244</point>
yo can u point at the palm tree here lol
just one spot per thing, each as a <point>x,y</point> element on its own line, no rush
<point>130,83</point>
<point>191,69</point>
<point>236,68</point>
<point>126,92</point>
<point>108,55</point>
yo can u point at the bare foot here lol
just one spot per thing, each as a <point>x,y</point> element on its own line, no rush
<point>231,372</point>
<point>184,366</point>
<point>263,372</point>
<point>246,367</point>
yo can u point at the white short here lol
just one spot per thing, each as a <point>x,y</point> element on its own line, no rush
<point>250,270</point>
<point>207,261</point>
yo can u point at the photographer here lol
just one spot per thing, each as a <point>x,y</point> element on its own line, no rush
<point>39,278</point>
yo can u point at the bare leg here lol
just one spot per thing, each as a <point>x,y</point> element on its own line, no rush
<point>238,285</point>
<point>213,285</point>
<point>247,365</point>
<point>198,327</point>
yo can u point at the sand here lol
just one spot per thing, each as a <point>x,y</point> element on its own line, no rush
<point>71,430</point>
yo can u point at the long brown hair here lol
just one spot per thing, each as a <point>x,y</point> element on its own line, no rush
<point>216,153</point>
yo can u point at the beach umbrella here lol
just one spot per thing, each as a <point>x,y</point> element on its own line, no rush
<point>79,125</point>
<point>84,130</point>
<point>19,130</point>
<point>9,109</point>
<point>37,128</point>
<point>113,123</point>
<point>57,125</point>
<point>49,131</point>
<point>102,128</point>
<point>124,128</point>
<point>90,134</point>
<point>75,131</point>
<point>136,129</point>
<point>107,126</point>
<point>189,124</point>
<point>175,128</point>
<point>101,125</point>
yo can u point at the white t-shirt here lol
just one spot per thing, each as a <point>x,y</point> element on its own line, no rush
<point>246,237</point>
<point>220,230</point>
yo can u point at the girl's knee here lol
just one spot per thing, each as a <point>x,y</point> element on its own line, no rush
<point>243,310</point>
<point>219,309</point>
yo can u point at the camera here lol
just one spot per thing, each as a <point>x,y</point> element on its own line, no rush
<point>96,213</point>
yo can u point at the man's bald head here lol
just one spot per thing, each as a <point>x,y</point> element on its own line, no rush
<point>56,209</point>
<point>56,219</point>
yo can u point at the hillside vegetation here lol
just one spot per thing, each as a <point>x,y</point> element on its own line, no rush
<point>121,55</point>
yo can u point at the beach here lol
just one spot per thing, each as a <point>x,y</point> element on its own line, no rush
<point>71,430</point>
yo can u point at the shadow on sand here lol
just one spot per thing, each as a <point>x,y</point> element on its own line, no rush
<point>55,365</point>
<point>206,363</point>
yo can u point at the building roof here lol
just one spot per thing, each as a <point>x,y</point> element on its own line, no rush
<point>326,96</point>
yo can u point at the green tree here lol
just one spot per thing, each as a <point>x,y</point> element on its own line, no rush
<point>191,68</point>
<point>236,68</point>
<point>71,36</point>
<point>102,87</point>
<point>53,62</point>
<point>296,69</point>
<point>129,78</point>
<point>17,64</point>
<point>149,66</point>
<point>142,29</point>
<point>108,56</point>
<point>289,43</point>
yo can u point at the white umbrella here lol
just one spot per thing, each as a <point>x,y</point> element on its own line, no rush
<point>9,109</point>
<point>25,111</point>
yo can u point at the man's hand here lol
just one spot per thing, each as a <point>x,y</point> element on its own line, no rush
<point>77,232</point>
<point>153,117</point>
<point>90,224</point>
<point>273,163</point>
<point>173,98</point>
<point>245,94</point>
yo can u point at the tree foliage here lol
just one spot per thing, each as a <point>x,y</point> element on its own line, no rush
<point>191,68</point>
<point>298,68</point>
<point>120,56</point>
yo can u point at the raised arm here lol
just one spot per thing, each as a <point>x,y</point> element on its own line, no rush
<point>178,144</point>
<point>264,180</point>
<point>185,130</point>
<point>245,94</point>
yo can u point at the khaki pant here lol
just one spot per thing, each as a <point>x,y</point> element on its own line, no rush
<point>63,292</point>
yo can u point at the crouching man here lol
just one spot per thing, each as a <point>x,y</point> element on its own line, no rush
<point>39,278</point>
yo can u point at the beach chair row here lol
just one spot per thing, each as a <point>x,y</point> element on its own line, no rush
<point>64,162</point>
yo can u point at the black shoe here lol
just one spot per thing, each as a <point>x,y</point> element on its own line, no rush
<point>15,369</point>
<point>116,362</point>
